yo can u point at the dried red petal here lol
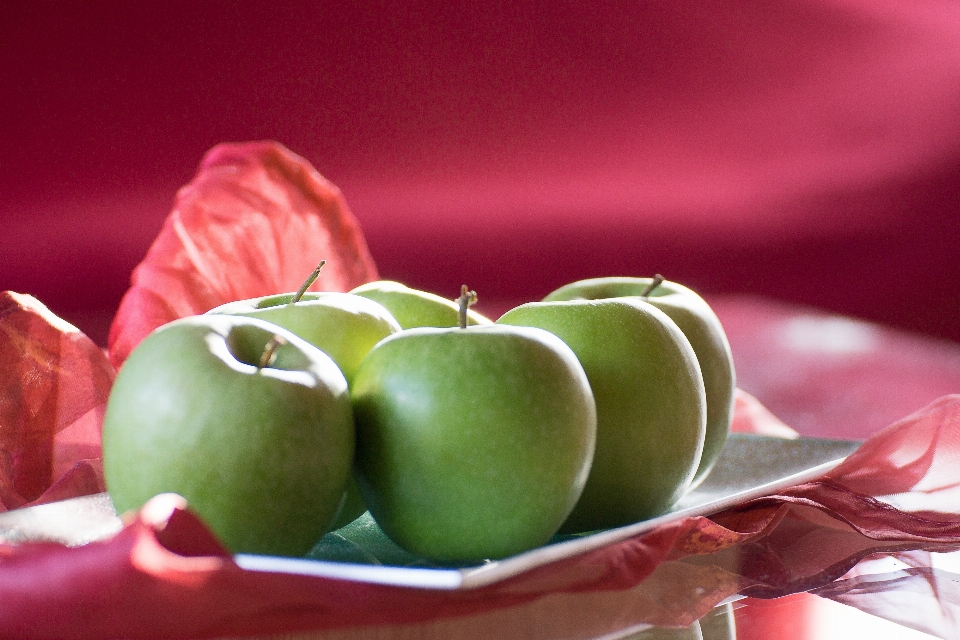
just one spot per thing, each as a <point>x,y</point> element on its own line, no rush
<point>254,221</point>
<point>54,385</point>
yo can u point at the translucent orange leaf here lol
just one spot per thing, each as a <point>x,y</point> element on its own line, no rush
<point>54,384</point>
<point>254,221</point>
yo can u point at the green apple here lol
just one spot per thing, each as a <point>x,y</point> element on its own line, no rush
<point>415,308</point>
<point>706,335</point>
<point>472,443</point>
<point>651,408</point>
<point>342,325</point>
<point>248,422</point>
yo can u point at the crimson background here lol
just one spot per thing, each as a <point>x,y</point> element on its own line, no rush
<point>806,150</point>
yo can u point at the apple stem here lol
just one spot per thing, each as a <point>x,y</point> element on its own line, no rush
<point>466,300</point>
<point>270,351</point>
<point>306,283</point>
<point>657,281</point>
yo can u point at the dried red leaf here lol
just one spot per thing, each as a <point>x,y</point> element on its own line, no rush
<point>255,220</point>
<point>54,385</point>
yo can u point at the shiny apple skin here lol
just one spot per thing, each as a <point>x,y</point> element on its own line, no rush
<point>262,455</point>
<point>651,406</point>
<point>706,335</point>
<point>343,326</point>
<point>472,443</point>
<point>415,308</point>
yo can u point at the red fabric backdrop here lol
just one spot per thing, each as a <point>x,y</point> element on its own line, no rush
<point>807,150</point>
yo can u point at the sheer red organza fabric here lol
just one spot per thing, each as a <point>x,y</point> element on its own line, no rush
<point>54,383</point>
<point>254,221</point>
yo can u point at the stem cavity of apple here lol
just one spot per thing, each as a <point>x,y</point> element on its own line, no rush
<point>657,281</point>
<point>270,351</point>
<point>306,283</point>
<point>466,300</point>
